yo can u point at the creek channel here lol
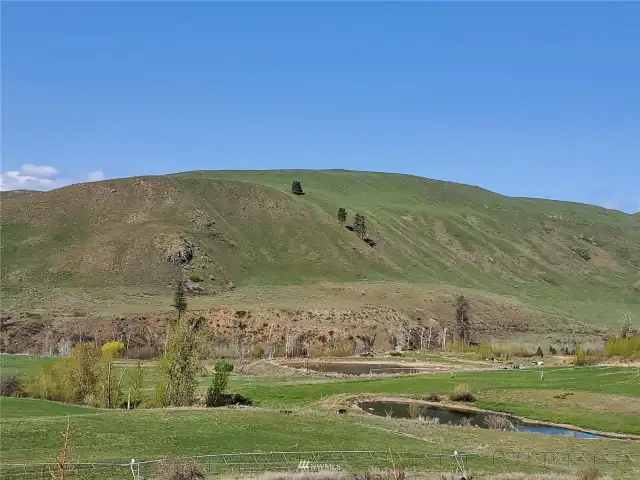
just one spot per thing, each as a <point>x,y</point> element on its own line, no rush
<point>356,368</point>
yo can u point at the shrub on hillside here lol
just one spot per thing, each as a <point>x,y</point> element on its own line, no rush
<point>462,394</point>
<point>194,277</point>
<point>296,188</point>
<point>10,386</point>
<point>539,352</point>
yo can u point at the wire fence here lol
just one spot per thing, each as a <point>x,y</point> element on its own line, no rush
<point>225,464</point>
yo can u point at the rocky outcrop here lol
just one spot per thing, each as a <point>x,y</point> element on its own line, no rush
<point>180,253</point>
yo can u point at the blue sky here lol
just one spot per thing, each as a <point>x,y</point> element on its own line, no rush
<point>527,99</point>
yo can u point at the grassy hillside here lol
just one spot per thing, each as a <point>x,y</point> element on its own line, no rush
<point>247,228</point>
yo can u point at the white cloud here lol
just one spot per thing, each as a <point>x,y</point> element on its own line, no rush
<point>17,180</point>
<point>39,171</point>
<point>40,177</point>
<point>95,176</point>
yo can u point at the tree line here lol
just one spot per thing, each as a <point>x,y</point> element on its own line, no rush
<point>92,376</point>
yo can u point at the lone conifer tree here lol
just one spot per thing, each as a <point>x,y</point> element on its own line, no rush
<point>359,226</point>
<point>296,188</point>
<point>180,299</point>
<point>463,319</point>
<point>342,215</point>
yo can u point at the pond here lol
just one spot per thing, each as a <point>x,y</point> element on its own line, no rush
<point>356,368</point>
<point>441,415</point>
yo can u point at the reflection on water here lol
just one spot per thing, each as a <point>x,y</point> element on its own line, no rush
<point>446,416</point>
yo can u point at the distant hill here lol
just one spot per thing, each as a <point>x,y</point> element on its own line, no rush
<point>246,228</point>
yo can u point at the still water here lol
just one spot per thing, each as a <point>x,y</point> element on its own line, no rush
<point>356,368</point>
<point>446,416</point>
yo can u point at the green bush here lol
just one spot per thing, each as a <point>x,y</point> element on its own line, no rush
<point>623,347</point>
<point>539,352</point>
<point>583,357</point>
<point>78,379</point>
<point>194,277</point>
<point>215,392</point>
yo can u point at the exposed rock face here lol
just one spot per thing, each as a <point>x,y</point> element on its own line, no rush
<point>193,287</point>
<point>180,253</point>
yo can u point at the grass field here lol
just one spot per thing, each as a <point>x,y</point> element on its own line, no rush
<point>116,436</point>
<point>519,392</point>
<point>603,398</point>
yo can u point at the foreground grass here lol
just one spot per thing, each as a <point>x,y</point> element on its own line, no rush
<point>603,398</point>
<point>116,436</point>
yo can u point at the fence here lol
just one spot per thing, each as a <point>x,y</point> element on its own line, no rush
<point>352,461</point>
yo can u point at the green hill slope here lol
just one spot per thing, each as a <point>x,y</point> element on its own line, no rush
<point>247,228</point>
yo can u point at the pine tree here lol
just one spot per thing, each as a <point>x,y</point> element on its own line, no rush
<point>342,215</point>
<point>180,299</point>
<point>359,226</point>
<point>296,188</point>
<point>463,318</point>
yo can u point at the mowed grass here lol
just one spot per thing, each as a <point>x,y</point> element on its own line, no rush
<point>507,391</point>
<point>117,436</point>
<point>12,408</point>
<point>603,398</point>
<point>23,365</point>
